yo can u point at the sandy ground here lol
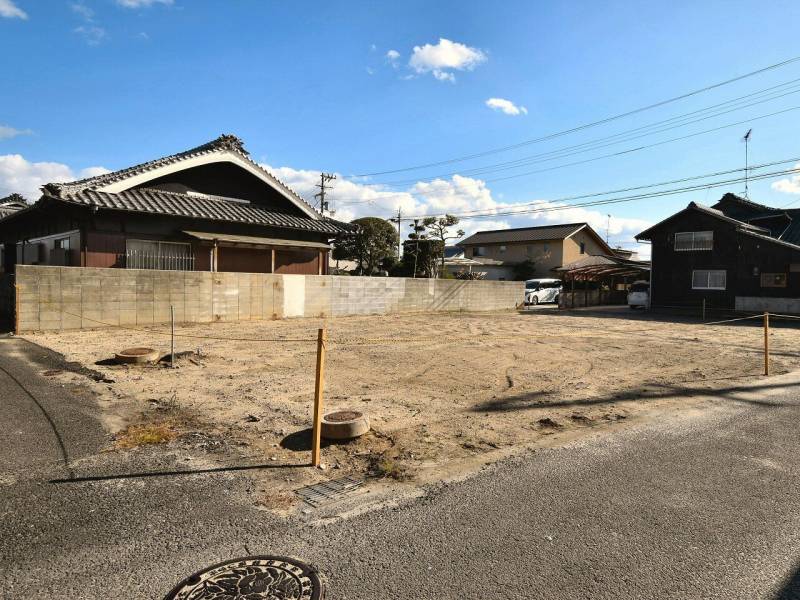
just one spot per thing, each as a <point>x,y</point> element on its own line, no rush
<point>444,392</point>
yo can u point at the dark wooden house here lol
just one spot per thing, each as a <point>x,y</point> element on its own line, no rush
<point>210,208</point>
<point>735,254</point>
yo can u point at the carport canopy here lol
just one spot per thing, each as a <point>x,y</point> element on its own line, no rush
<point>601,267</point>
<point>249,240</point>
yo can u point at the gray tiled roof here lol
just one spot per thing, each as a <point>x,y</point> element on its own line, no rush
<point>182,205</point>
<point>522,234</point>
<point>222,143</point>
<point>741,208</point>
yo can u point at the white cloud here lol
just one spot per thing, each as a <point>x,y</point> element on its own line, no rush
<point>24,177</point>
<point>459,194</point>
<point>92,34</point>
<point>392,56</point>
<point>790,185</point>
<point>142,3</point>
<point>10,10</point>
<point>92,172</point>
<point>84,11</point>
<point>442,58</point>
<point>7,132</point>
<point>506,106</point>
<point>353,199</point>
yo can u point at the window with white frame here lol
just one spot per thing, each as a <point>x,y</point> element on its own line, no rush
<point>689,241</point>
<point>708,279</point>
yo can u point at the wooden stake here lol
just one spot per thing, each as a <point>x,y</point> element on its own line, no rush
<point>316,432</point>
<point>766,343</point>
<point>16,309</point>
<point>704,310</point>
<point>172,343</point>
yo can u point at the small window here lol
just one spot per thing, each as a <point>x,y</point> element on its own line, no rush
<point>709,280</point>
<point>583,247</point>
<point>694,240</point>
<point>773,280</point>
<point>546,247</point>
<point>502,249</point>
<point>479,251</point>
<point>61,244</point>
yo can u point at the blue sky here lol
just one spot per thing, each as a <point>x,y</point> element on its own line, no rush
<point>358,88</point>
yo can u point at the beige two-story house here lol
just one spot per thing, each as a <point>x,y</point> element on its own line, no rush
<point>496,252</point>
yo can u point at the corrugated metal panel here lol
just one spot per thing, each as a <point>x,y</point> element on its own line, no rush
<point>249,239</point>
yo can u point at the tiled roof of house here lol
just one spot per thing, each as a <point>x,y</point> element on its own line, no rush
<point>11,204</point>
<point>183,205</point>
<point>714,212</point>
<point>522,234</point>
<point>222,143</point>
<point>746,210</point>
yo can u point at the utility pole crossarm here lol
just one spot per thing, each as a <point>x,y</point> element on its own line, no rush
<point>323,179</point>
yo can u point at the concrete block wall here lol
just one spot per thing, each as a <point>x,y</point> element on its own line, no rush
<point>55,298</point>
<point>764,304</point>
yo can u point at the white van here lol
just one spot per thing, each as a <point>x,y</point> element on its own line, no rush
<point>542,290</point>
<point>639,294</point>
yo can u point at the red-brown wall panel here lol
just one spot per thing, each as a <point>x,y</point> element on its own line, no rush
<point>299,262</point>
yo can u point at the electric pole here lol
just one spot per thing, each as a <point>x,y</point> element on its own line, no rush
<point>398,219</point>
<point>608,227</point>
<point>323,178</point>
<point>746,140</point>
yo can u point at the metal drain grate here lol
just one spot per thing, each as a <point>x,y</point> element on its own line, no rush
<point>328,491</point>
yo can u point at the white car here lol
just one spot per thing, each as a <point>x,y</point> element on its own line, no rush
<point>639,294</point>
<point>542,290</point>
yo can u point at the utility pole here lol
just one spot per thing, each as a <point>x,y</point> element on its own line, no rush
<point>608,227</point>
<point>398,219</point>
<point>746,140</point>
<point>417,230</point>
<point>323,178</point>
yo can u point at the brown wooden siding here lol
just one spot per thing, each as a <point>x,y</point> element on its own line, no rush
<point>105,249</point>
<point>244,260</point>
<point>301,262</point>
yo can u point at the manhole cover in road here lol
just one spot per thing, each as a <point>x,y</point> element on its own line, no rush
<point>253,578</point>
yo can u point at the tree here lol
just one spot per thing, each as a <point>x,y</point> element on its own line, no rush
<point>439,229</point>
<point>370,246</point>
<point>419,257</point>
<point>524,270</point>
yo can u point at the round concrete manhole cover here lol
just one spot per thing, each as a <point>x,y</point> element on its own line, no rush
<point>253,578</point>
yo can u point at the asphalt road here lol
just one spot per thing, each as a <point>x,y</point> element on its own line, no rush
<point>702,505</point>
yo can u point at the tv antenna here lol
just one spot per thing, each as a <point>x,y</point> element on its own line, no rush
<point>746,140</point>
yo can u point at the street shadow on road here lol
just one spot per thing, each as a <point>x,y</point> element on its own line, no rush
<point>650,391</point>
<point>791,587</point>
<point>178,472</point>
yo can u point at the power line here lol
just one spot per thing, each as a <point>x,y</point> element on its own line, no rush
<point>659,184</point>
<point>656,194</point>
<point>621,152</point>
<point>584,126</point>
<point>597,143</point>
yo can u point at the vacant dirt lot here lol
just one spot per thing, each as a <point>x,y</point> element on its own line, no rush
<point>444,392</point>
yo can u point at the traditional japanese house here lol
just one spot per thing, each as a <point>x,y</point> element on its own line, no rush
<point>736,254</point>
<point>210,208</point>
